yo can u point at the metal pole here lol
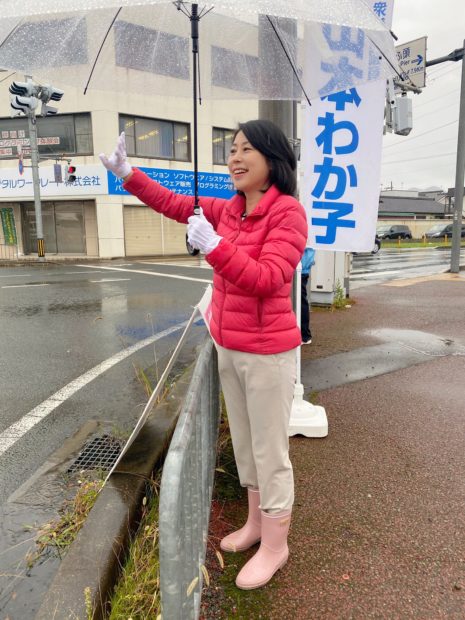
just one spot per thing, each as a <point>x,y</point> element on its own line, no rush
<point>459,179</point>
<point>32,124</point>
<point>194,18</point>
<point>31,118</point>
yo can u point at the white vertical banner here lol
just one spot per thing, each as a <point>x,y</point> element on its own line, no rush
<point>341,142</point>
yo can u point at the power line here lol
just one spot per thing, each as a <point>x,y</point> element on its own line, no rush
<point>401,161</point>
<point>423,146</point>
<point>422,134</point>
<point>420,105</point>
<point>437,110</point>
<point>446,72</point>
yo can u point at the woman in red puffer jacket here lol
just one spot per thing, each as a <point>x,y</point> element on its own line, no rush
<point>254,242</point>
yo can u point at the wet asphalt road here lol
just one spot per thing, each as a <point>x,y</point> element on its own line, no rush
<point>393,263</point>
<point>60,321</point>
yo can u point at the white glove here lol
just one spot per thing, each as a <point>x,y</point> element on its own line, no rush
<point>117,162</point>
<point>201,235</point>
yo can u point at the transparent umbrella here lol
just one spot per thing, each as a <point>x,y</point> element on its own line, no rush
<point>240,49</point>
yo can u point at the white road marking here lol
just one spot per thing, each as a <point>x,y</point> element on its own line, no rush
<point>18,275</point>
<point>148,273</point>
<point>68,273</point>
<point>23,285</point>
<point>111,280</point>
<point>367,274</point>
<point>13,433</point>
<point>180,264</point>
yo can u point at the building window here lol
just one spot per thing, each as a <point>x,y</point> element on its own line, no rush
<point>222,140</point>
<point>148,137</point>
<point>69,134</point>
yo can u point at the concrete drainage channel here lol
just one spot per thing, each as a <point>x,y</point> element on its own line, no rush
<point>91,564</point>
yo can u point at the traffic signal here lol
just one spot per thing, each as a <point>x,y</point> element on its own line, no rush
<point>49,93</point>
<point>70,174</point>
<point>23,97</point>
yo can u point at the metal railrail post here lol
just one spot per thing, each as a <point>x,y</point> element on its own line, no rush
<point>186,490</point>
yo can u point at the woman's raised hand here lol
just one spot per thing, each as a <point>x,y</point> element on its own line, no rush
<point>117,162</point>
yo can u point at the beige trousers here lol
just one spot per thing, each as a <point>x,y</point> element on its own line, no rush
<point>258,391</point>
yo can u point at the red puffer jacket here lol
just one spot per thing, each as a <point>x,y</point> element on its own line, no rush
<point>253,264</point>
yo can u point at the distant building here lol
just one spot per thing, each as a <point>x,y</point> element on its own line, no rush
<point>449,196</point>
<point>418,210</point>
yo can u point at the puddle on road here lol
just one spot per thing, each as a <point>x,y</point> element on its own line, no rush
<point>421,342</point>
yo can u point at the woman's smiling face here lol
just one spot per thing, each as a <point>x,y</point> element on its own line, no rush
<point>249,169</point>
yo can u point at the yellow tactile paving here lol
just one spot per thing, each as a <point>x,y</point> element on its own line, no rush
<point>458,277</point>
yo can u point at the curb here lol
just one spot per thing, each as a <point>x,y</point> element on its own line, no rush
<point>91,566</point>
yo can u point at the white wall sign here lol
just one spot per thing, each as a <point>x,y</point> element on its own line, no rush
<point>90,180</point>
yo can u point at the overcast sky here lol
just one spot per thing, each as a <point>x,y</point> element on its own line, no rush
<point>426,157</point>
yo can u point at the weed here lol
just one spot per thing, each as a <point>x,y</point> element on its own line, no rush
<point>88,602</point>
<point>137,594</point>
<point>56,536</point>
<point>313,397</point>
<point>339,300</point>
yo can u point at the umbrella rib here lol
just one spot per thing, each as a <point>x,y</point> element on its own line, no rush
<point>294,68</point>
<point>180,7</point>
<point>101,47</point>
<point>10,34</point>
<point>8,76</point>
<point>386,58</point>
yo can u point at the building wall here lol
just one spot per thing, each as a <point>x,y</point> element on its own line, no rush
<point>104,222</point>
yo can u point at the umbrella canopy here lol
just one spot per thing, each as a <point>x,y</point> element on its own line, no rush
<point>243,53</point>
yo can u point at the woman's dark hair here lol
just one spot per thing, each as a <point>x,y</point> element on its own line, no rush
<point>267,138</point>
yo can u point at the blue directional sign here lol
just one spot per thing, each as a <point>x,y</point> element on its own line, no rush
<point>182,182</point>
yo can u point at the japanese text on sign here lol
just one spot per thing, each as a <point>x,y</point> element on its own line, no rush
<point>182,182</point>
<point>336,138</point>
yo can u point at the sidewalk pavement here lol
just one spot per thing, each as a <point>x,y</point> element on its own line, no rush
<point>378,527</point>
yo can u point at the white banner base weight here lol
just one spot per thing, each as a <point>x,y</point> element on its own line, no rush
<point>306,419</point>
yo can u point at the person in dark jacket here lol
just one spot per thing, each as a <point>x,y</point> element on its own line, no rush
<point>308,260</point>
<point>254,242</point>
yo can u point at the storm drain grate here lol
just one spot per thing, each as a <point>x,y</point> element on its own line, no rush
<point>100,453</point>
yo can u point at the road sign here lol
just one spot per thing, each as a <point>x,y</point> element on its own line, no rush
<point>412,61</point>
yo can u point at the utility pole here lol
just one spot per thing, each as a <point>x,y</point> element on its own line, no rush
<point>455,56</point>
<point>459,179</point>
<point>32,125</point>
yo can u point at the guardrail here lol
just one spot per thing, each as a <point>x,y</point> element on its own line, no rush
<point>186,491</point>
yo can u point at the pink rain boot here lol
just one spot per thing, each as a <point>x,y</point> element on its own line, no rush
<point>271,556</point>
<point>251,532</point>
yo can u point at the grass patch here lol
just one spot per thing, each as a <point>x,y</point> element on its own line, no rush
<point>137,594</point>
<point>55,537</point>
<point>313,397</point>
<point>417,243</point>
<point>223,600</point>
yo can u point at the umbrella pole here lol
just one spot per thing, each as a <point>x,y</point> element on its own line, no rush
<point>194,18</point>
